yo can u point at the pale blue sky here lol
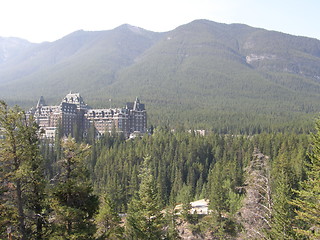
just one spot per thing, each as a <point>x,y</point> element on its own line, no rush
<point>49,20</point>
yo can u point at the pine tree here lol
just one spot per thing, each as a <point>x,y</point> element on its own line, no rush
<point>308,200</point>
<point>218,195</point>
<point>171,217</point>
<point>11,160</point>
<point>34,182</point>
<point>145,220</point>
<point>108,221</point>
<point>57,141</point>
<point>22,175</point>
<point>8,214</point>
<point>72,200</point>
<point>184,197</point>
<point>282,212</point>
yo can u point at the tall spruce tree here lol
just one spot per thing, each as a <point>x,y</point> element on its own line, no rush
<point>282,212</point>
<point>218,195</point>
<point>72,198</point>
<point>108,221</point>
<point>34,182</point>
<point>308,200</point>
<point>11,161</point>
<point>22,175</point>
<point>145,220</point>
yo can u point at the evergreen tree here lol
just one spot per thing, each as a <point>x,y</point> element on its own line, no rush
<point>171,216</point>
<point>184,197</point>
<point>72,200</point>
<point>8,213</point>
<point>108,221</point>
<point>308,200</point>
<point>145,220</point>
<point>34,182</point>
<point>282,212</point>
<point>218,195</point>
<point>57,141</point>
<point>22,175</point>
<point>11,161</point>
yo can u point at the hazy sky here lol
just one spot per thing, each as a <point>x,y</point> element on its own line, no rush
<point>49,20</point>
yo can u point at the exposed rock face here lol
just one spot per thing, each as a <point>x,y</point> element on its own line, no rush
<point>254,57</point>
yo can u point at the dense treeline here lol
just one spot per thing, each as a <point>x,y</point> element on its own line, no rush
<point>76,190</point>
<point>188,166</point>
<point>180,161</point>
<point>227,116</point>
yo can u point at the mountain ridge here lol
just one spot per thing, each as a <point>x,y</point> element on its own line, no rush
<point>201,68</point>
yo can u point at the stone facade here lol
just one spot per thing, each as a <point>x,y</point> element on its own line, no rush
<point>73,116</point>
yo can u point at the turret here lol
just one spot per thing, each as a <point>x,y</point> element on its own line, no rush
<point>41,102</point>
<point>136,105</point>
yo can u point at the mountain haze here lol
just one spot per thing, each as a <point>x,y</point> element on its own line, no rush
<point>11,47</point>
<point>88,59</point>
<point>226,76</point>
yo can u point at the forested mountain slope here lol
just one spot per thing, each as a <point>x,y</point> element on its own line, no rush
<point>10,48</point>
<point>230,76</point>
<point>82,61</point>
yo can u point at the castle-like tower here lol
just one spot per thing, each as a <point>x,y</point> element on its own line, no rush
<point>74,116</point>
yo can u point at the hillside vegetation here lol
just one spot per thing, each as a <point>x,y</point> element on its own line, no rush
<point>203,74</point>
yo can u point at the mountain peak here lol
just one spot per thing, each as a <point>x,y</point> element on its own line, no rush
<point>132,28</point>
<point>213,65</point>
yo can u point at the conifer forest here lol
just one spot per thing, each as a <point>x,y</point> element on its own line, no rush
<point>259,186</point>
